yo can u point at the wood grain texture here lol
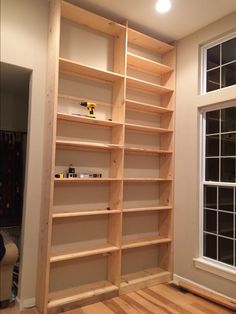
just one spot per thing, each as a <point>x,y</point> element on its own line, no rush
<point>159,299</point>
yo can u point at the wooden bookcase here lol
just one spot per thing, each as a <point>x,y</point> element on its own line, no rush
<point>105,236</point>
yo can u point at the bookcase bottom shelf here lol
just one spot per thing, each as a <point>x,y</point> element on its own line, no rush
<point>143,279</point>
<point>90,293</point>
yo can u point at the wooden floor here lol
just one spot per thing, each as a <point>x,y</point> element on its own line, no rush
<point>161,299</point>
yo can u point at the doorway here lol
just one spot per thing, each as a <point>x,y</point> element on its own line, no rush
<point>14,85</point>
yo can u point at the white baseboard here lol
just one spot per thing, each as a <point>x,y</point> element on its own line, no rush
<point>25,304</point>
<point>177,278</point>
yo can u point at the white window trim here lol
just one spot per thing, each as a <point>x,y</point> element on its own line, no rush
<point>203,61</point>
<point>215,268</point>
<point>202,262</point>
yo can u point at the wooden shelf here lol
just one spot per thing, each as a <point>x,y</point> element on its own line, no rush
<point>85,180</point>
<point>140,106</point>
<point>59,255</point>
<point>147,87</point>
<point>146,65</point>
<point>76,68</point>
<point>80,119</point>
<point>71,214</point>
<point>147,42</point>
<point>85,292</point>
<point>130,244</point>
<point>144,278</point>
<point>89,19</point>
<point>148,151</point>
<point>79,99</point>
<point>146,209</point>
<point>144,128</point>
<point>147,180</point>
<point>73,145</point>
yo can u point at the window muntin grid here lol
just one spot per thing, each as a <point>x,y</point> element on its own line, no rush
<point>219,64</point>
<point>219,186</point>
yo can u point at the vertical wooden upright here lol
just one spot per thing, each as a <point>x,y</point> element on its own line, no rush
<point>49,155</point>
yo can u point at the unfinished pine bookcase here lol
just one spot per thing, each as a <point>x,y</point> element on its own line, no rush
<point>105,236</point>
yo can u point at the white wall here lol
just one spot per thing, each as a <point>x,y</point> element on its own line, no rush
<point>188,102</point>
<point>24,26</point>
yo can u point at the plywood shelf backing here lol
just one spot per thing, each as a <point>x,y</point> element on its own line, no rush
<point>107,201</point>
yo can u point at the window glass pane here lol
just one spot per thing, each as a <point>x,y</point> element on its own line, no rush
<point>228,144</point>
<point>209,246</point>
<point>226,224</point>
<point>212,145</point>
<point>226,198</point>
<point>228,166</point>
<point>229,50</point>
<point>228,119</point>
<point>226,250</point>
<point>210,196</point>
<point>213,57</point>
<point>210,221</point>
<point>228,75</point>
<point>212,169</point>
<point>213,80</point>
<point>213,122</point>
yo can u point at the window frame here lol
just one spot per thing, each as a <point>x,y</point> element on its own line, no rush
<point>203,182</point>
<point>204,49</point>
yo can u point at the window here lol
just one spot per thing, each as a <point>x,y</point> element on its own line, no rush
<point>218,185</point>
<point>219,64</point>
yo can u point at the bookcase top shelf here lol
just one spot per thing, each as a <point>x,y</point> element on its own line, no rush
<point>147,42</point>
<point>89,19</point>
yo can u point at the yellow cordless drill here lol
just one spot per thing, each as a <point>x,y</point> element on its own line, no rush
<point>90,106</point>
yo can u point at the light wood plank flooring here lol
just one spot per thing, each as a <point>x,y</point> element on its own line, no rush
<point>160,299</point>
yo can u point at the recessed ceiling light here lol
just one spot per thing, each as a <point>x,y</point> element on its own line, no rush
<point>162,6</point>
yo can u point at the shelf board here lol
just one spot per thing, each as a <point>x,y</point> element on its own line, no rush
<point>79,99</point>
<point>144,278</point>
<point>147,87</point>
<point>80,119</point>
<point>74,145</point>
<point>138,150</point>
<point>59,255</point>
<point>140,106</point>
<point>71,214</point>
<point>145,65</point>
<point>144,128</point>
<point>130,244</point>
<point>84,180</point>
<point>89,19</point>
<point>76,68</point>
<point>82,293</point>
<point>147,179</point>
<point>146,209</point>
<point>147,42</point>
